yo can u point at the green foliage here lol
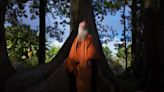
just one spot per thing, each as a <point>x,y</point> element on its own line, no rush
<point>105,6</point>
<point>113,61</point>
<point>117,63</point>
<point>50,53</point>
<point>101,8</point>
<point>22,45</point>
<point>18,9</point>
<point>121,54</point>
<point>107,52</point>
<point>61,8</point>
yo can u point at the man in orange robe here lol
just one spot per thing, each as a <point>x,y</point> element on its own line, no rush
<point>80,59</point>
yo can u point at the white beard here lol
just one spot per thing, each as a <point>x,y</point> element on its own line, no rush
<point>82,34</point>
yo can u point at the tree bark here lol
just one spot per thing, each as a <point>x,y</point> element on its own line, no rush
<point>42,8</point>
<point>103,66</point>
<point>134,31</point>
<point>125,42</point>
<point>137,42</point>
<point>46,77</point>
<point>153,43</point>
<point>6,69</point>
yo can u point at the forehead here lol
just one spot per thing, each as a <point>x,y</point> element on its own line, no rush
<point>83,23</point>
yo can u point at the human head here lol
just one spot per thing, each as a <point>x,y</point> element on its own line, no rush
<point>83,24</point>
<point>83,29</point>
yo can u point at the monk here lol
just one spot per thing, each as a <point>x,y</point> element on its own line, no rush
<point>80,59</point>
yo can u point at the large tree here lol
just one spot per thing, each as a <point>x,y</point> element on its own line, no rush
<point>137,37</point>
<point>6,69</point>
<point>153,45</point>
<point>51,77</point>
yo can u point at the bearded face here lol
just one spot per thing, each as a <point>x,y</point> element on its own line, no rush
<point>82,31</point>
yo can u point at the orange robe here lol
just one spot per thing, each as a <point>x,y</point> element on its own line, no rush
<point>79,61</point>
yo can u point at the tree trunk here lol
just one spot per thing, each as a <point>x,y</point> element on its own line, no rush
<point>154,43</point>
<point>125,43</point>
<point>42,8</point>
<point>6,69</point>
<point>134,31</point>
<point>78,12</point>
<point>50,74</point>
<point>46,78</point>
<point>137,47</point>
<point>103,66</point>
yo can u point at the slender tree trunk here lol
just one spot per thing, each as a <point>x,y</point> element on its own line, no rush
<point>134,31</point>
<point>42,8</point>
<point>125,43</point>
<point>6,69</point>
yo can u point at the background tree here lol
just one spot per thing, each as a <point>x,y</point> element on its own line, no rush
<point>137,37</point>
<point>124,34</point>
<point>121,55</point>
<point>6,69</point>
<point>22,45</point>
<point>43,74</point>
<point>153,40</point>
<point>42,9</point>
